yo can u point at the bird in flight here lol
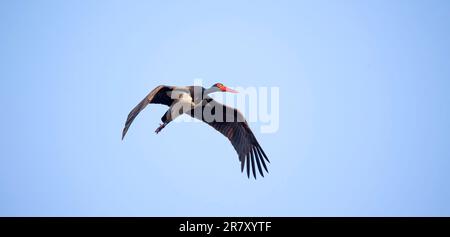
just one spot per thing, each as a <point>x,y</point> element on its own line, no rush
<point>195,102</point>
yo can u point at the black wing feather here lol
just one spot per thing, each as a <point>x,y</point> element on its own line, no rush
<point>257,162</point>
<point>156,96</point>
<point>248,166</point>
<point>262,159</point>
<point>253,164</point>
<point>237,131</point>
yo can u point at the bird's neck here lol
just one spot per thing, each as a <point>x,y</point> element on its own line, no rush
<point>209,91</point>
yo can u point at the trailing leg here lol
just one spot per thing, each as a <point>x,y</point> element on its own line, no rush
<point>161,126</point>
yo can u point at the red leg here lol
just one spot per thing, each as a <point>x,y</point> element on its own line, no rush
<point>161,126</point>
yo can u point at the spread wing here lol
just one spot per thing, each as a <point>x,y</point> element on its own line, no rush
<point>231,123</point>
<point>158,95</point>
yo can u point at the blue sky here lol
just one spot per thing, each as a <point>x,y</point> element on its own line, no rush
<point>364,107</point>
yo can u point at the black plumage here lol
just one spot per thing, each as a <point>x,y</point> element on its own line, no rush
<point>228,121</point>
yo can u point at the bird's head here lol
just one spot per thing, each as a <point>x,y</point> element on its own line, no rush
<point>222,88</point>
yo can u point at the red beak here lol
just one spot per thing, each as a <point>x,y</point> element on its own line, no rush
<point>226,89</point>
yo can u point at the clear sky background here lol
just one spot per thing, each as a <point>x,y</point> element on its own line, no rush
<point>364,107</point>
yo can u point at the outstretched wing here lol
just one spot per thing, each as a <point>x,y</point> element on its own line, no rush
<point>158,95</point>
<point>231,123</point>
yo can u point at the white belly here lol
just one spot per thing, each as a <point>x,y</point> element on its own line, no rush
<point>182,103</point>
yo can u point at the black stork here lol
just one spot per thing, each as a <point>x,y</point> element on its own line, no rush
<point>194,101</point>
